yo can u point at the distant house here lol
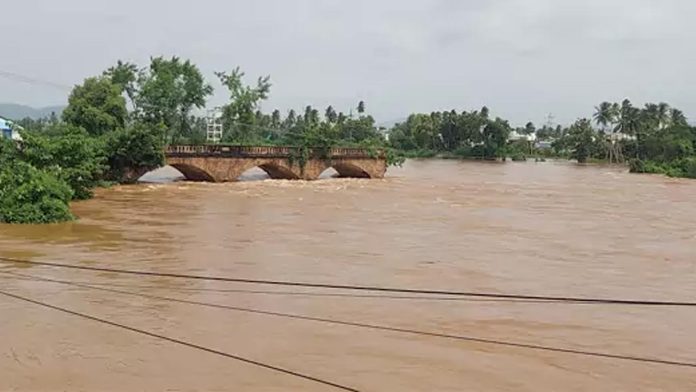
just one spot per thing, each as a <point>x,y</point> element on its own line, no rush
<point>515,136</point>
<point>9,130</point>
<point>543,144</point>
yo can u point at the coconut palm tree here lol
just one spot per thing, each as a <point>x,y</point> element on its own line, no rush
<point>605,116</point>
<point>663,115</point>
<point>650,116</point>
<point>628,120</point>
<point>678,118</point>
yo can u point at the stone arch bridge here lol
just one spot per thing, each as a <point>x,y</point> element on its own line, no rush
<point>223,163</point>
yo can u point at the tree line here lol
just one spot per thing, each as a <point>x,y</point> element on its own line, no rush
<point>655,138</point>
<point>116,125</point>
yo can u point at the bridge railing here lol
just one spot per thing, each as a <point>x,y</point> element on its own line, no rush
<point>233,151</point>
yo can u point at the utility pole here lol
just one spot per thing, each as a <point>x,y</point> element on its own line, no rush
<point>214,126</point>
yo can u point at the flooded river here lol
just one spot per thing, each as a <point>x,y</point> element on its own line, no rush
<point>524,228</point>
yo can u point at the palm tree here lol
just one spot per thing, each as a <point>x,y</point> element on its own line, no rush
<point>628,119</point>
<point>361,107</point>
<point>331,115</point>
<point>629,122</point>
<point>663,115</point>
<point>605,116</point>
<point>650,116</point>
<point>677,117</point>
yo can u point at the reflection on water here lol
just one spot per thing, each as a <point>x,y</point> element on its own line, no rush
<point>551,228</point>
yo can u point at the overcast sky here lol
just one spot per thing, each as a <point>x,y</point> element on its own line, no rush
<point>522,58</point>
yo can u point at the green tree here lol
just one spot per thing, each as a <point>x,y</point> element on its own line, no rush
<point>30,195</point>
<point>238,115</point>
<point>678,118</point>
<point>131,153</point>
<point>8,151</point>
<point>529,129</point>
<point>485,112</point>
<point>168,91</point>
<point>71,155</point>
<point>331,115</point>
<point>291,120</point>
<point>96,106</point>
<point>605,116</point>
<point>125,75</point>
<point>581,139</point>
<point>276,119</point>
<point>495,136</point>
<point>629,119</point>
<point>361,107</point>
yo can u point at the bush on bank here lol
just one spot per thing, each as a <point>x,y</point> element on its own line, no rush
<point>71,155</point>
<point>684,167</point>
<point>43,173</point>
<point>30,195</point>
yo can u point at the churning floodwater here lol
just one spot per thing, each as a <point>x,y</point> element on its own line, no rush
<point>525,228</point>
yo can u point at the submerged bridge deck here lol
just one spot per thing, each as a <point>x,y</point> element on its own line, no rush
<point>222,163</point>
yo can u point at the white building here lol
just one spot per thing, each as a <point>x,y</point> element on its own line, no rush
<point>9,130</point>
<point>514,136</point>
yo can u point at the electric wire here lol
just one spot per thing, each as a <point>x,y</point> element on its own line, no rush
<point>29,80</point>
<point>474,339</point>
<point>182,342</point>
<point>302,293</point>
<point>567,299</point>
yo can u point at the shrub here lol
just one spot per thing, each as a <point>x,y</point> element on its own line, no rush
<point>636,165</point>
<point>8,151</point>
<point>689,168</point>
<point>30,195</point>
<point>71,155</point>
<point>519,157</point>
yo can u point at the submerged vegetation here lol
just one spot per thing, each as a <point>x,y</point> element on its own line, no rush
<point>654,139</point>
<point>117,123</point>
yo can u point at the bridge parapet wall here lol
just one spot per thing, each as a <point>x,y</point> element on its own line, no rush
<point>222,150</point>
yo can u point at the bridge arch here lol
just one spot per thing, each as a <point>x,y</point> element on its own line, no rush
<point>348,170</point>
<point>193,172</point>
<point>277,169</point>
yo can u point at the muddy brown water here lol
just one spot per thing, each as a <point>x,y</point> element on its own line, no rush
<point>548,229</point>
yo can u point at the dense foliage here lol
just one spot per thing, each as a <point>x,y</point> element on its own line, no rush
<point>244,123</point>
<point>167,92</point>
<point>30,195</point>
<point>654,139</point>
<point>465,134</point>
<point>70,154</point>
<point>96,106</point>
<point>131,153</point>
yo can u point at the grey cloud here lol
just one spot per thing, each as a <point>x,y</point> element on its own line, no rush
<point>522,58</point>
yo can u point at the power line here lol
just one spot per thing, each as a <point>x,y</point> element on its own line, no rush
<point>382,327</point>
<point>576,300</point>
<point>300,293</point>
<point>183,343</point>
<point>29,80</point>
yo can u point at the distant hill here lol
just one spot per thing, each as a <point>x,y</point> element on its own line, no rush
<point>15,111</point>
